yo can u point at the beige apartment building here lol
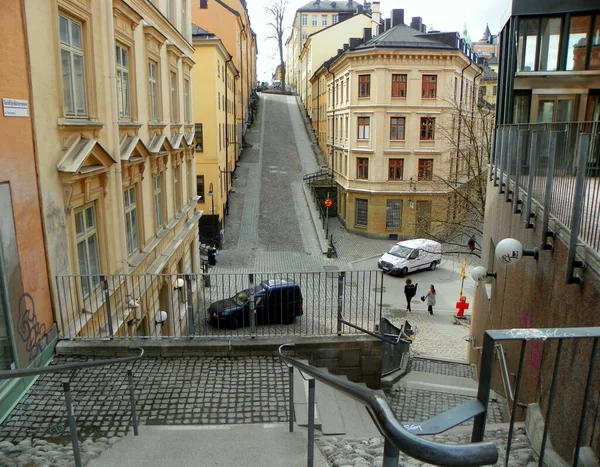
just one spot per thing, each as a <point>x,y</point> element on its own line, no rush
<point>309,19</point>
<point>112,86</point>
<point>389,121</point>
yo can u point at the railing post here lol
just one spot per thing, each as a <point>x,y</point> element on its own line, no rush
<point>104,281</point>
<point>578,203</point>
<point>311,423</point>
<point>508,158</point>
<point>503,155</point>
<point>134,418</point>
<point>548,195</point>
<point>252,315</point>
<point>391,454</point>
<point>72,425</point>
<point>190,305</point>
<point>483,389</point>
<point>521,144</point>
<point>340,301</point>
<point>532,170</point>
<point>291,401</point>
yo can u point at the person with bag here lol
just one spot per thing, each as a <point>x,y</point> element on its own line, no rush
<point>430,298</point>
<point>410,290</point>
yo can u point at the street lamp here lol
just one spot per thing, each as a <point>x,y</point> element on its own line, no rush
<point>211,193</point>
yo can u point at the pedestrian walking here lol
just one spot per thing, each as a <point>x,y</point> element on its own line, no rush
<point>429,298</point>
<point>410,290</point>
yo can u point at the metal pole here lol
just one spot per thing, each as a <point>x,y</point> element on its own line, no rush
<point>513,413</point>
<point>134,418</point>
<point>311,422</point>
<point>508,160</point>
<point>521,144</point>
<point>72,425</point>
<point>340,301</point>
<point>327,218</point>
<point>550,401</point>
<point>291,401</point>
<point>391,454</point>
<point>104,281</point>
<point>252,315</point>
<point>532,170</point>
<point>548,195</point>
<point>190,305</point>
<point>485,384</point>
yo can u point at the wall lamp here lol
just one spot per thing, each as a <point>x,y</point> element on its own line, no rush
<point>160,317</point>
<point>511,251</point>
<point>479,273</point>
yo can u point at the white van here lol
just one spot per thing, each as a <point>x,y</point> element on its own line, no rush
<point>411,255</point>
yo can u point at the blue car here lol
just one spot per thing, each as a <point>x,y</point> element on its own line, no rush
<point>276,301</point>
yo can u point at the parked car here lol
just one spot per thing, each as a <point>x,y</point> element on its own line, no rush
<point>411,255</point>
<point>276,301</point>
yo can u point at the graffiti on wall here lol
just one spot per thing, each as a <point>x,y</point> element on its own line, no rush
<point>32,332</point>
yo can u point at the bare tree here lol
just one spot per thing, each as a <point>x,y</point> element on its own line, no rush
<point>468,134</point>
<point>276,13</point>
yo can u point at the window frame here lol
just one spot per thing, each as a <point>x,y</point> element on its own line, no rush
<point>425,170</point>
<point>153,90</point>
<point>174,96</point>
<point>397,225</point>
<point>395,164</point>
<point>177,188</point>
<point>364,86</point>
<point>132,230</point>
<point>186,101</point>
<point>121,71</point>
<point>323,20</point>
<point>361,212</point>
<point>304,20</point>
<point>72,85</point>
<point>397,126</point>
<point>200,185</point>
<point>363,128</point>
<point>429,86</point>
<point>315,20</point>
<point>89,279</point>
<point>427,129</point>
<point>159,204</point>
<point>399,91</point>
<point>362,168</point>
<point>199,136</point>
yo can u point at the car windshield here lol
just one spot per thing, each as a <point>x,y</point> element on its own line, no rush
<point>242,297</point>
<point>400,251</point>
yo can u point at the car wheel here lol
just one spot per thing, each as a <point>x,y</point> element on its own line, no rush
<point>403,272</point>
<point>433,265</point>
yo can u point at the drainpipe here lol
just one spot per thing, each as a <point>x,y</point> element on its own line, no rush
<point>333,124</point>
<point>112,78</point>
<point>226,129</point>
<point>242,75</point>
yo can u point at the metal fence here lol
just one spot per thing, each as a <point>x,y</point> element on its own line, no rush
<point>165,306</point>
<point>554,167</point>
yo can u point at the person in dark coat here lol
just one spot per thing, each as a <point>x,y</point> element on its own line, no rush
<point>410,290</point>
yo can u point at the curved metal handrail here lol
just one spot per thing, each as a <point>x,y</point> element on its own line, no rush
<point>391,428</point>
<point>69,366</point>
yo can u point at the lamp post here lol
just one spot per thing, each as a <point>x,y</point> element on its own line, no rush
<point>211,193</point>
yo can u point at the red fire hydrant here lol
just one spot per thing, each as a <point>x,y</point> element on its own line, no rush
<point>461,306</point>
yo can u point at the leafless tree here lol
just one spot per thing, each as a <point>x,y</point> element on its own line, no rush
<point>468,136</point>
<point>276,14</point>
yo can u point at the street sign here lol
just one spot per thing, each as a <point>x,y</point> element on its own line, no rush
<point>328,202</point>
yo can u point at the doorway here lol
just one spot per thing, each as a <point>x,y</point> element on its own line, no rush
<point>553,109</point>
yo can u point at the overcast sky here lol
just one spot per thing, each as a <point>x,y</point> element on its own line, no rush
<point>444,15</point>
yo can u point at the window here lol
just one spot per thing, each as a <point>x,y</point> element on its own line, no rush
<point>521,106</point>
<point>425,169</point>
<point>304,20</point>
<point>72,64</point>
<point>362,168</point>
<point>429,86</point>
<point>396,169</point>
<point>199,138</point>
<point>549,42</point>
<point>173,90</point>
<point>314,20</point>
<point>203,3</point>
<point>184,21</point>
<point>393,214</point>
<point>123,93</point>
<point>362,211</point>
<point>347,89</point>
<point>171,10</point>
<point>398,85</point>
<point>177,187</point>
<point>131,224</point>
<point>427,128</point>
<point>494,90</point>
<point>186,100</point>
<point>158,202</point>
<point>364,127</point>
<point>153,90</point>
<point>579,30</point>
<point>527,43</point>
<point>304,36</point>
<point>323,20</point>
<point>397,128</point>
<point>87,249</point>
<point>334,19</point>
<point>364,85</point>
<point>200,187</point>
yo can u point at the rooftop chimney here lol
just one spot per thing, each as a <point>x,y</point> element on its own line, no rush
<point>366,35</point>
<point>416,23</point>
<point>354,41</point>
<point>375,18</point>
<point>397,17</point>
<point>388,24</point>
<point>381,28</point>
<point>423,28</point>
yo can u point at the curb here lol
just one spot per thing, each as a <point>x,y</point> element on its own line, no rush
<point>315,220</point>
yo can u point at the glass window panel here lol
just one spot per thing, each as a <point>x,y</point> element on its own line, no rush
<point>550,39</point>
<point>521,108</point>
<point>595,52</point>
<point>578,41</point>
<point>63,26</point>
<point>526,49</point>
<point>76,40</point>
<point>79,228</point>
<point>546,111</point>
<point>362,211</point>
<point>79,79</point>
<point>94,260</point>
<point>65,58</point>
<point>393,214</point>
<point>90,218</point>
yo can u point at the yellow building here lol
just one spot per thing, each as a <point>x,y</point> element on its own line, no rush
<point>112,83</point>
<point>321,46</point>
<point>229,21</point>
<point>215,85</point>
<point>390,121</point>
<point>309,19</point>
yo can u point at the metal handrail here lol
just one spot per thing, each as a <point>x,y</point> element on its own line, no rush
<point>481,453</point>
<point>506,375</point>
<point>389,338</point>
